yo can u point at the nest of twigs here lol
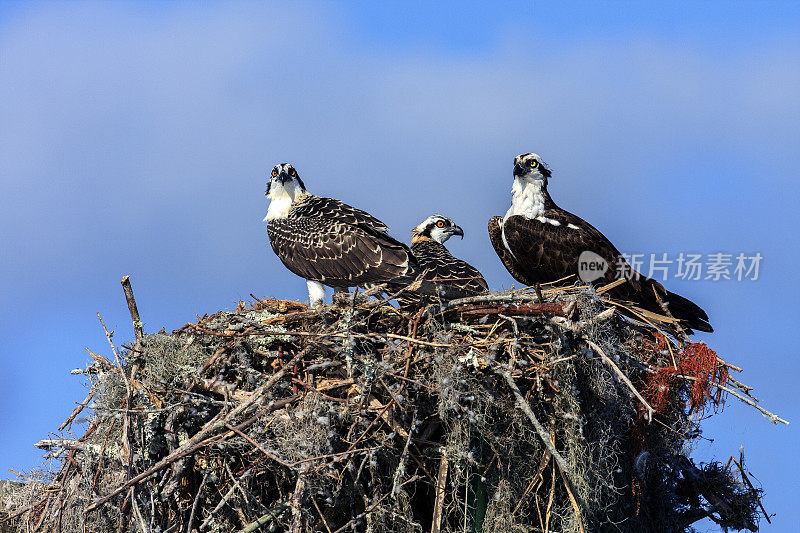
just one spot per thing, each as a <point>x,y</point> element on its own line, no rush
<point>505,412</point>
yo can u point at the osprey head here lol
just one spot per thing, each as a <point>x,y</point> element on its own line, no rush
<point>284,180</point>
<point>283,187</point>
<point>436,227</point>
<point>531,167</point>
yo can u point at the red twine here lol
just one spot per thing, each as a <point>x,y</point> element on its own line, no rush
<point>695,361</point>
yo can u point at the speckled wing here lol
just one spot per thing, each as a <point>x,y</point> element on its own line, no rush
<point>337,245</point>
<point>436,263</point>
<point>311,206</point>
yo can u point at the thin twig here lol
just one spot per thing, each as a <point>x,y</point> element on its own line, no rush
<point>134,310</point>
<point>493,298</point>
<point>401,465</point>
<point>257,445</point>
<point>622,376</point>
<point>775,419</point>
<point>220,505</point>
<point>296,501</point>
<point>76,411</point>
<point>441,485</point>
<point>138,512</point>
<point>358,517</point>
<point>266,518</point>
<point>572,500</point>
<point>109,335</point>
<point>126,425</point>
<point>740,465</point>
<point>197,501</point>
<point>319,511</point>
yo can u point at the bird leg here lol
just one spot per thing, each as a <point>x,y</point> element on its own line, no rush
<point>316,293</point>
<point>538,288</point>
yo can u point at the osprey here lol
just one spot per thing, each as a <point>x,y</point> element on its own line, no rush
<point>326,241</point>
<point>539,242</point>
<point>436,263</point>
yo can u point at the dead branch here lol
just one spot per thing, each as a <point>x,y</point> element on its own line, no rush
<point>134,310</point>
<point>441,485</point>
<point>623,377</point>
<point>196,502</point>
<point>268,517</point>
<point>297,500</point>
<point>77,411</point>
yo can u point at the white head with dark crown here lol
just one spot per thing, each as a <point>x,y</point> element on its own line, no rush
<point>529,190</point>
<point>531,167</point>
<point>436,227</point>
<point>283,188</point>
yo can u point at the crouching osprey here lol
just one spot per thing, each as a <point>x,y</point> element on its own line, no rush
<point>326,241</point>
<point>441,274</point>
<point>436,263</point>
<point>538,242</point>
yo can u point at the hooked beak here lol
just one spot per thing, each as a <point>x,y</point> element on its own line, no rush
<point>283,178</point>
<point>456,230</point>
<point>519,170</point>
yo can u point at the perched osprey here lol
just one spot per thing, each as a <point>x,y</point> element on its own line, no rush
<point>328,242</point>
<point>436,263</point>
<point>539,242</point>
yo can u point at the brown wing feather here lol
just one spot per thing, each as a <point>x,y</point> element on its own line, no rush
<point>547,252</point>
<point>437,263</point>
<point>335,253</point>
<point>496,237</point>
<point>310,206</point>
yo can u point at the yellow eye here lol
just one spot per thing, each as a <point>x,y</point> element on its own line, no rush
<point>534,163</point>
<point>292,172</point>
<point>274,173</point>
<point>440,223</point>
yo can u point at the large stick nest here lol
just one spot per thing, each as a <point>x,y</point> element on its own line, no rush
<point>496,413</point>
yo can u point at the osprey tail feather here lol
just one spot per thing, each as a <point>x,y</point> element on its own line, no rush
<point>688,311</point>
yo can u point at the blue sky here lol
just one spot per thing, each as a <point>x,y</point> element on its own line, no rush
<point>136,139</point>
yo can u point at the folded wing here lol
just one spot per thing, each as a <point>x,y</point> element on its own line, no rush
<point>548,248</point>
<point>437,264</point>
<point>339,246</point>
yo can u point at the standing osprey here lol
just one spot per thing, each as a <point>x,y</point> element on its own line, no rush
<point>328,242</point>
<point>538,242</point>
<point>436,263</point>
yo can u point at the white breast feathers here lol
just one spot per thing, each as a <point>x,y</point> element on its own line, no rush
<point>527,198</point>
<point>281,200</point>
